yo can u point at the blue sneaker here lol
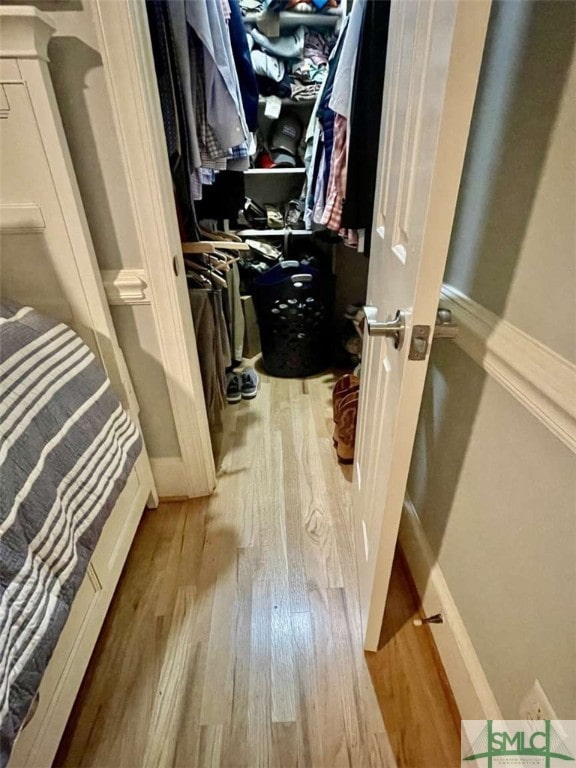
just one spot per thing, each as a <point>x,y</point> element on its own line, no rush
<point>249,384</point>
<point>233,394</point>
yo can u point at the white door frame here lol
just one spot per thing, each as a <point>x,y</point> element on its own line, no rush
<point>126,51</point>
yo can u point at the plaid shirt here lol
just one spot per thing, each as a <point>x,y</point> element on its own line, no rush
<point>332,215</point>
<point>212,155</point>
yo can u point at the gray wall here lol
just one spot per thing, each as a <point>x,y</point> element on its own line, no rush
<point>494,489</point>
<point>514,241</point>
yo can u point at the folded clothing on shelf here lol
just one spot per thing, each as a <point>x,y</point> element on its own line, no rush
<point>284,64</point>
<point>301,92</point>
<point>308,72</point>
<point>251,6</point>
<point>290,46</point>
<point>269,87</point>
<point>303,6</point>
<point>318,45</point>
<point>267,66</point>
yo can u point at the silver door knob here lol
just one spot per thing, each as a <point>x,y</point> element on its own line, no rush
<point>394,329</point>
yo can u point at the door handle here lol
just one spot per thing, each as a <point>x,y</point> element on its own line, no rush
<point>393,329</point>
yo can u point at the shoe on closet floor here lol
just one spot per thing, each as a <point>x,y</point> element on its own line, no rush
<point>249,383</point>
<point>233,384</point>
<point>346,428</point>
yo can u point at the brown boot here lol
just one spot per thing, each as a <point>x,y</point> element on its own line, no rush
<point>347,398</point>
<point>345,386</point>
<point>347,416</point>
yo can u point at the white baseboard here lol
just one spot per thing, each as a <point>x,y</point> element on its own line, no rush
<point>170,477</point>
<point>469,685</point>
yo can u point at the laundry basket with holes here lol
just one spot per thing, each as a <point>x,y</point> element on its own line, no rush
<point>294,308</point>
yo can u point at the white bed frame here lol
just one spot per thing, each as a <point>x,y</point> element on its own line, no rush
<point>47,260</point>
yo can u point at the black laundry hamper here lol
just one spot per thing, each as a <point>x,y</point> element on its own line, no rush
<point>294,308</point>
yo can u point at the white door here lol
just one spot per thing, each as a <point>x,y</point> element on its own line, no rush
<point>433,62</point>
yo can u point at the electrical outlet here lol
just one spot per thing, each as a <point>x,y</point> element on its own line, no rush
<point>536,705</point>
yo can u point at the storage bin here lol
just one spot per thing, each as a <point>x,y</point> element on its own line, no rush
<point>294,309</point>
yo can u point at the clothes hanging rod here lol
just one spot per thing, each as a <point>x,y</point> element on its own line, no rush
<point>294,19</point>
<point>211,246</point>
<point>273,232</point>
<point>274,171</point>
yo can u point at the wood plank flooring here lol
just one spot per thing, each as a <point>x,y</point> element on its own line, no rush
<point>234,638</point>
<point>418,707</point>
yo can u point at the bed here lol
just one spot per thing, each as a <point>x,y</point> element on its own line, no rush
<point>68,414</point>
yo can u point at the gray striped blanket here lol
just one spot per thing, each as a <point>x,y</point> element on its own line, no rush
<point>66,450</point>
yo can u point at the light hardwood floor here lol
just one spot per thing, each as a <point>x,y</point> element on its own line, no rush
<point>234,637</point>
<point>420,713</point>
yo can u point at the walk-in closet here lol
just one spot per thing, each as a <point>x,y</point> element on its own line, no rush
<point>271,115</point>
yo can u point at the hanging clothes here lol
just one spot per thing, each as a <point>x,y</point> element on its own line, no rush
<point>177,15</point>
<point>332,214</point>
<point>176,130</point>
<point>208,90</point>
<point>224,109</point>
<point>209,100</point>
<point>235,315</point>
<point>213,347</point>
<point>365,115</point>
<point>341,171</point>
<point>319,137</point>
<point>244,68</point>
<point>341,96</point>
<point>339,103</point>
<point>324,114</point>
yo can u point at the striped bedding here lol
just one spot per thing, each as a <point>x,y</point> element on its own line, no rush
<point>66,450</point>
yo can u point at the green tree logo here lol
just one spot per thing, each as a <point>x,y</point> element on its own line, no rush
<point>546,744</point>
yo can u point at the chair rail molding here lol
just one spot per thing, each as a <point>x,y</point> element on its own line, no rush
<point>126,286</point>
<point>543,381</point>
<point>21,219</point>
